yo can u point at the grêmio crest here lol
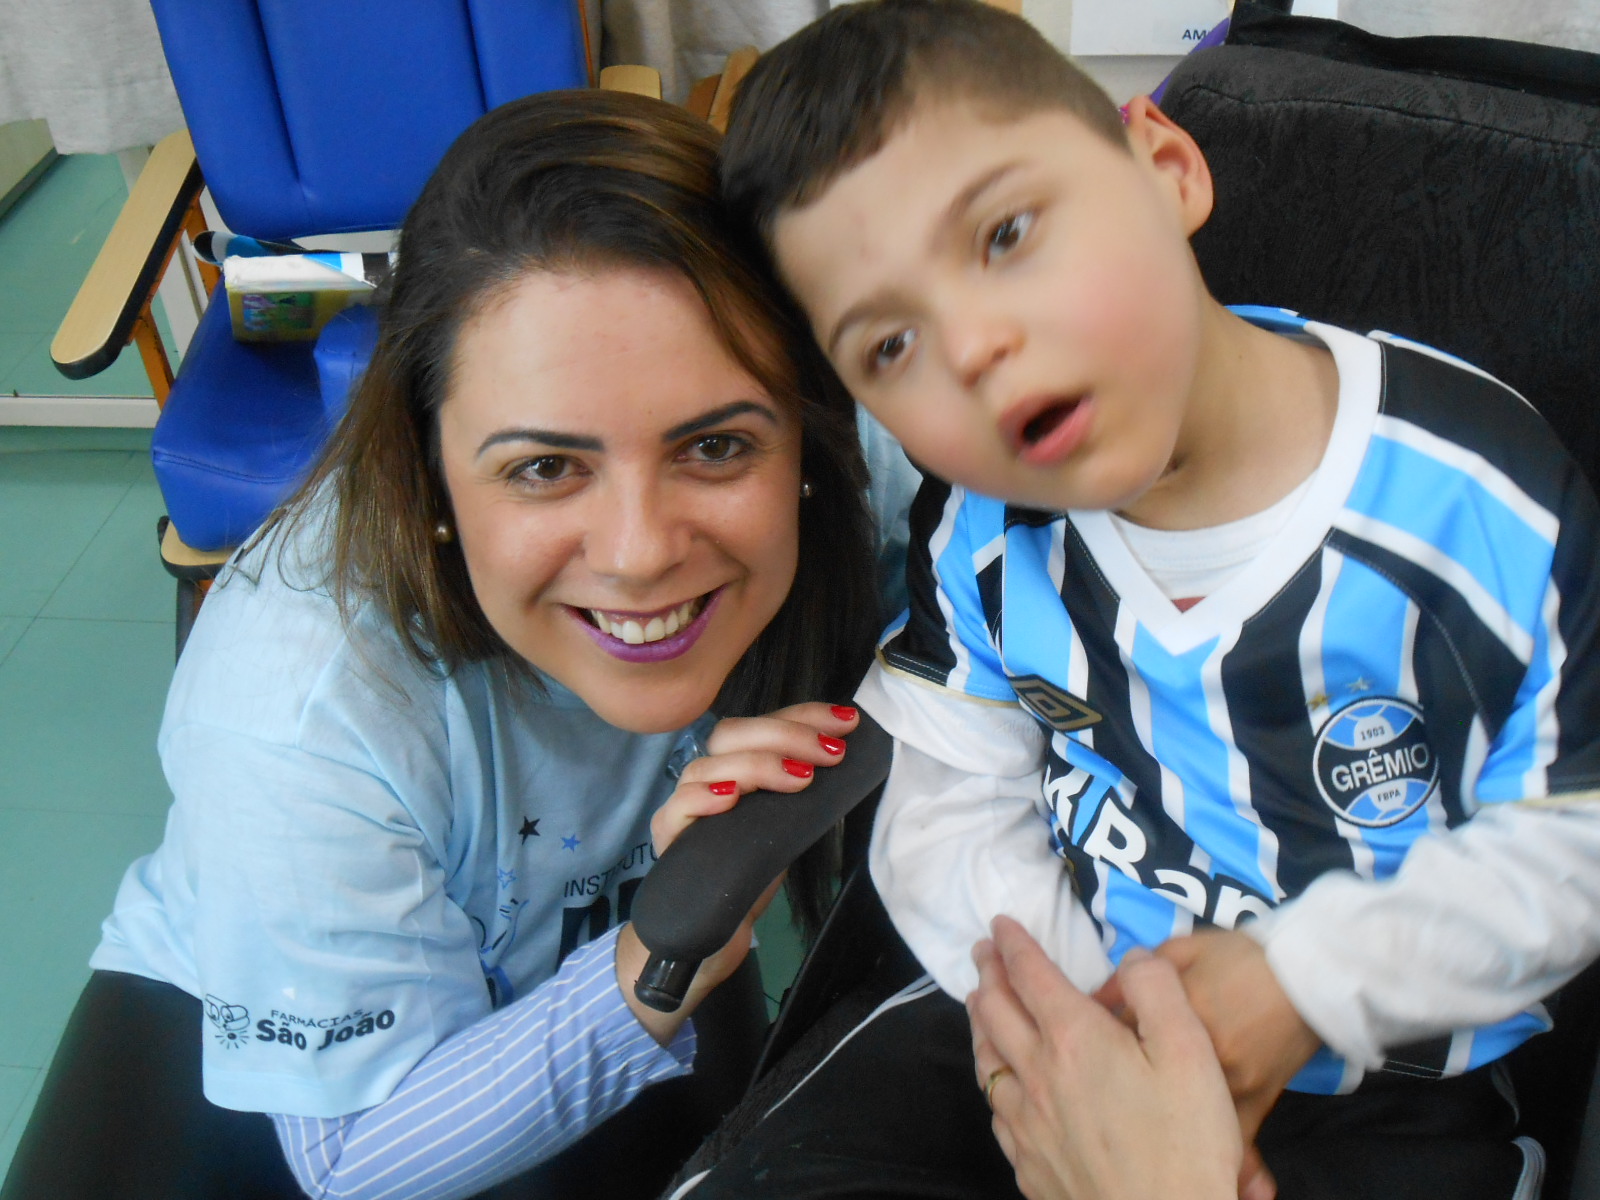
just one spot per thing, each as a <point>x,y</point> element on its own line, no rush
<point>1059,709</point>
<point>1373,763</point>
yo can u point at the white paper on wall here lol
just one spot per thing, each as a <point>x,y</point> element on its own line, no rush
<point>1142,26</point>
<point>1157,26</point>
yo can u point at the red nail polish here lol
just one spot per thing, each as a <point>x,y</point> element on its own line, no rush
<point>800,770</point>
<point>844,712</point>
<point>832,745</point>
<point>726,788</point>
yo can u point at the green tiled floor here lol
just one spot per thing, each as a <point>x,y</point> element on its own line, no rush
<point>85,657</point>
<point>47,243</point>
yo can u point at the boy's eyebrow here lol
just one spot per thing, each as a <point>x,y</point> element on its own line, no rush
<point>574,441</point>
<point>967,196</point>
<point>953,214</point>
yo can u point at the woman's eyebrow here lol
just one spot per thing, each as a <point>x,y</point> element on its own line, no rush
<point>549,437</point>
<point>716,416</point>
<point>575,441</point>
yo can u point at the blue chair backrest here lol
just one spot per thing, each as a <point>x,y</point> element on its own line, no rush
<point>328,117</point>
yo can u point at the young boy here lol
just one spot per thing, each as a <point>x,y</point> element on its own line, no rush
<point>1243,617</point>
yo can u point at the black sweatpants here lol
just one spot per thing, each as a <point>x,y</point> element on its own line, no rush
<point>892,1110</point>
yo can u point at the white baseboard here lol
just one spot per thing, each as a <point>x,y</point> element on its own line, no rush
<point>101,412</point>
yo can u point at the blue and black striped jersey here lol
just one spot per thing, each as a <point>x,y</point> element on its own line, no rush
<point>1418,641</point>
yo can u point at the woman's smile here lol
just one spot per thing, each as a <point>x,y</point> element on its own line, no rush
<point>650,637</point>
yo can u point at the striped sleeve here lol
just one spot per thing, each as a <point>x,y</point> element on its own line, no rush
<point>495,1099</point>
<point>953,570</point>
<point>1550,743</point>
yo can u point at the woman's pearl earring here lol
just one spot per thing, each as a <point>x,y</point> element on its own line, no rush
<point>806,490</point>
<point>443,532</point>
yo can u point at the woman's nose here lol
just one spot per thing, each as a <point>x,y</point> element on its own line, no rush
<point>638,533</point>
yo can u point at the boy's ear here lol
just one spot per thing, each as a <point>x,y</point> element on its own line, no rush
<point>1168,148</point>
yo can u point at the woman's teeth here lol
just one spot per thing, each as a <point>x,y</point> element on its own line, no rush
<point>637,633</point>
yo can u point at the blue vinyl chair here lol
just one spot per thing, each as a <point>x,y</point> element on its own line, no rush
<point>302,120</point>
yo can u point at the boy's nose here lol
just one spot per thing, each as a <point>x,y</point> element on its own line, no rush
<point>978,344</point>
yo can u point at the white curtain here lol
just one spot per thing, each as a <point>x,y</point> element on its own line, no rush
<point>92,68</point>
<point>686,40</point>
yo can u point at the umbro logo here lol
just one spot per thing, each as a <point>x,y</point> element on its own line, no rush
<point>1059,709</point>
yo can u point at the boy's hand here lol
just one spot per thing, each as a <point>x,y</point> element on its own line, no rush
<point>1259,1037</point>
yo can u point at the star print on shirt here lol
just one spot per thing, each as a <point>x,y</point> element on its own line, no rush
<point>530,828</point>
<point>507,878</point>
<point>570,843</point>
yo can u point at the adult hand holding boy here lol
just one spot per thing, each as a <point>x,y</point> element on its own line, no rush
<point>1084,1108</point>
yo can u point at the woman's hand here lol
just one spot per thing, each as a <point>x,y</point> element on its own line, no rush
<point>779,752</point>
<point>1086,1108</point>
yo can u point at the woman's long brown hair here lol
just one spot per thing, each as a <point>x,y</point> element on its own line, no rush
<point>584,181</point>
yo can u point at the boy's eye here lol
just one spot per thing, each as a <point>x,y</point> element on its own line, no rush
<point>887,351</point>
<point>1004,237</point>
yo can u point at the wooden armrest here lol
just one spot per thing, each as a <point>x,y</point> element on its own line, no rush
<point>184,561</point>
<point>642,81</point>
<point>129,265</point>
<point>733,73</point>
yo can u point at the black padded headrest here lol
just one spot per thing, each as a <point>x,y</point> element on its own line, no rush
<point>1444,189</point>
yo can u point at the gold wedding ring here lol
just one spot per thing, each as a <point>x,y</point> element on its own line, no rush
<point>994,1078</point>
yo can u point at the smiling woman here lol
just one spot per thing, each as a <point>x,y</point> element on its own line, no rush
<point>596,491</point>
<point>599,500</point>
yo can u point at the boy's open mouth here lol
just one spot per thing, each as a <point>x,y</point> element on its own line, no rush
<point>637,629</point>
<point>1043,431</point>
<point>1031,421</point>
<point>1041,426</point>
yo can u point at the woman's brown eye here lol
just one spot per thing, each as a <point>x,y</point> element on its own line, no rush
<point>550,469</point>
<point>718,448</point>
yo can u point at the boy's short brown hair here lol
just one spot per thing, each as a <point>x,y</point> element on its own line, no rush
<point>829,97</point>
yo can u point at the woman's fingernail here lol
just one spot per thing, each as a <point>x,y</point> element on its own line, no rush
<point>832,745</point>
<point>801,770</point>
<point>726,788</point>
<point>844,712</point>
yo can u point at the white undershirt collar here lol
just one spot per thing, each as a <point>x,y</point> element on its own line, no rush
<point>1359,361</point>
